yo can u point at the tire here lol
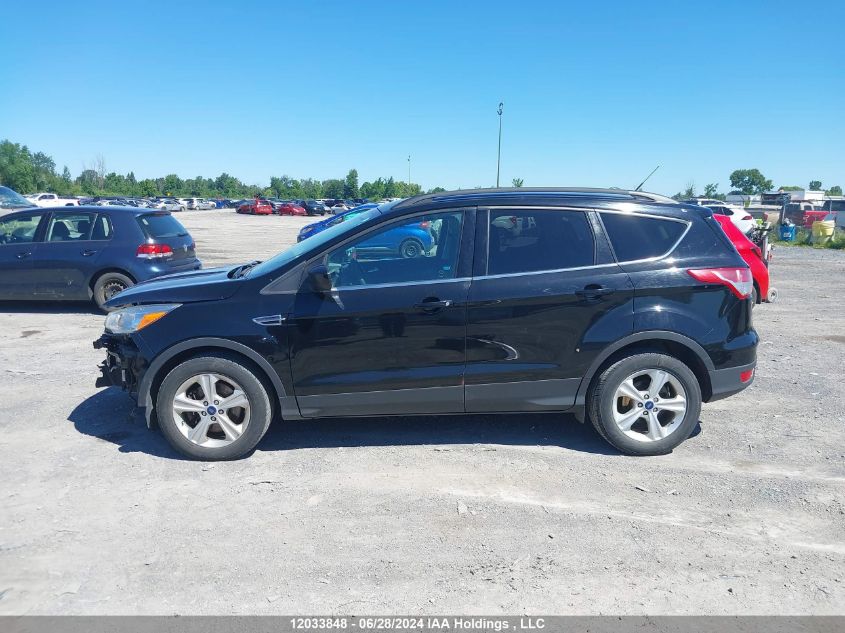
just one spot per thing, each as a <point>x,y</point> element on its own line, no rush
<point>605,404</point>
<point>108,285</point>
<point>755,296</point>
<point>249,422</point>
<point>411,248</point>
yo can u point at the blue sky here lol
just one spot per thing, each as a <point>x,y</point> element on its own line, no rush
<point>595,93</point>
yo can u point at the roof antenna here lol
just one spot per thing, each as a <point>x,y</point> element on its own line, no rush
<point>640,186</point>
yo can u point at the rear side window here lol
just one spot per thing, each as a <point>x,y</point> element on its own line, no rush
<point>524,241</point>
<point>636,237</point>
<point>160,225</point>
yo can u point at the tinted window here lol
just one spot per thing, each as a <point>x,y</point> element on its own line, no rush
<point>70,227</point>
<point>102,228</point>
<point>525,241</point>
<point>420,249</point>
<point>161,225</point>
<point>19,229</point>
<point>635,237</point>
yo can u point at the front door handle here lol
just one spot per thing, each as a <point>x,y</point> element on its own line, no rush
<point>88,253</point>
<point>594,291</point>
<point>433,305</point>
<point>24,254</point>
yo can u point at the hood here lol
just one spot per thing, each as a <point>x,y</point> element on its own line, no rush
<point>197,285</point>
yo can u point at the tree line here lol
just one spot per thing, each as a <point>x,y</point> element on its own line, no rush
<point>31,172</point>
<point>748,182</point>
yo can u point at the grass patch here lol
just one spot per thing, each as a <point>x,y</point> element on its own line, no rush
<point>804,237</point>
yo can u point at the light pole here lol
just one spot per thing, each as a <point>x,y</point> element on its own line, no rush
<point>499,156</point>
<point>409,173</point>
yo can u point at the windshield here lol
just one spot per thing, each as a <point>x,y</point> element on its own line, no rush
<point>313,242</point>
<point>12,200</point>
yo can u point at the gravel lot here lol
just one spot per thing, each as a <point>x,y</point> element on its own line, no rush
<point>480,514</point>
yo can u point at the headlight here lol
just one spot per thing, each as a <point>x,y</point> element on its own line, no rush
<point>136,318</point>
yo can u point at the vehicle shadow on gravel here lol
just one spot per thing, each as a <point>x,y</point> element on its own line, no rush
<point>49,307</point>
<point>110,415</point>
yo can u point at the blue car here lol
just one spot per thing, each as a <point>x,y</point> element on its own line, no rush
<point>89,253</point>
<point>410,240</point>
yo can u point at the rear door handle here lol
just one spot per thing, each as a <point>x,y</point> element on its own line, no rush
<point>433,305</point>
<point>88,253</point>
<point>593,292</point>
<point>24,254</point>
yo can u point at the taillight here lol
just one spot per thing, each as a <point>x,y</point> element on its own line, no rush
<point>153,251</point>
<point>745,376</point>
<point>737,280</point>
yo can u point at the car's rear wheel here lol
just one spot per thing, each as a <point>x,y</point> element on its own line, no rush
<point>107,286</point>
<point>213,408</point>
<point>646,404</point>
<point>410,248</point>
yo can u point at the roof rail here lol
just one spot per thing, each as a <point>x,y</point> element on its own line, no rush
<point>654,197</point>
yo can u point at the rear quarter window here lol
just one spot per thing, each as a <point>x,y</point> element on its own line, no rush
<point>159,225</point>
<point>636,237</point>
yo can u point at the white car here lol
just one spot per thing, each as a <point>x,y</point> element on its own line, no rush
<point>740,217</point>
<point>338,208</point>
<point>205,205</point>
<point>51,200</point>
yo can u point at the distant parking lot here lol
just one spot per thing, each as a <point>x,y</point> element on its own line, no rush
<point>477,514</point>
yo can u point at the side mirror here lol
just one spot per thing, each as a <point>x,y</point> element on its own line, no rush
<point>319,280</point>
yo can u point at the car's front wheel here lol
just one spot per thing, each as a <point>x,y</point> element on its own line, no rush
<point>213,408</point>
<point>645,404</point>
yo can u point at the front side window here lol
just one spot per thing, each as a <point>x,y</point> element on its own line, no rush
<point>19,229</point>
<point>532,240</point>
<point>636,237</point>
<point>422,248</point>
<point>70,227</point>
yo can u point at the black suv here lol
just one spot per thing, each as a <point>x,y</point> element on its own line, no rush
<point>624,308</point>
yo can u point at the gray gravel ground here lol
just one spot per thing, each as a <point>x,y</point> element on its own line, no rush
<point>481,514</point>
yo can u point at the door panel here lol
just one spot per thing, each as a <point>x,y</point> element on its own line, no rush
<point>68,257</point>
<point>389,338</point>
<point>532,333</point>
<point>19,235</point>
<point>537,327</point>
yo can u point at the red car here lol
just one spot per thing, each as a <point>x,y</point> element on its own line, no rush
<point>753,256</point>
<point>288,208</point>
<point>256,207</point>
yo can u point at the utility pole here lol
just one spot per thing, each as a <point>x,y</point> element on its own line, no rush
<point>499,156</point>
<point>409,173</point>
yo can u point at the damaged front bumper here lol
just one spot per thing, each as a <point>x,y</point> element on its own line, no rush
<point>124,365</point>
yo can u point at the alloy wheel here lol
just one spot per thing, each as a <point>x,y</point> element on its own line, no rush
<point>211,410</point>
<point>649,405</point>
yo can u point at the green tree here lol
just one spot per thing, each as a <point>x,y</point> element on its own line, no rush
<point>815,185</point>
<point>711,190</point>
<point>88,182</point>
<point>516,182</point>
<point>436,190</point>
<point>750,181</point>
<point>172,185</point>
<point>333,188</point>
<point>790,188</point>
<point>350,185</point>
<point>16,169</point>
<point>311,188</point>
<point>835,190</point>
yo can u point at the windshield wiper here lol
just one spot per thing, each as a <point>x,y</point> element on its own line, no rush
<point>243,269</point>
